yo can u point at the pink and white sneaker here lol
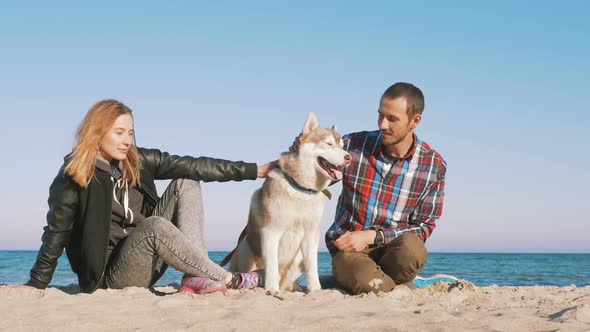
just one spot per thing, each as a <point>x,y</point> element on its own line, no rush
<point>251,280</point>
<point>201,285</point>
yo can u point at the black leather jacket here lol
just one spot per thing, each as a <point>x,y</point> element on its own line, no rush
<point>79,218</point>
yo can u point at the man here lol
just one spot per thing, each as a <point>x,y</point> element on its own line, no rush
<point>392,194</point>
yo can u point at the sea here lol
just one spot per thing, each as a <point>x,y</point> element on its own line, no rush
<point>481,269</point>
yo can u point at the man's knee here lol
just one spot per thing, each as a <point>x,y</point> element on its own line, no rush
<point>404,258</point>
<point>413,250</point>
<point>360,274</point>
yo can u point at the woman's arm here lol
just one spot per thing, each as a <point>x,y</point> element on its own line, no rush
<point>63,206</point>
<point>167,166</point>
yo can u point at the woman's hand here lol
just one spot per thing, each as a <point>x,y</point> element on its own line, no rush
<point>264,169</point>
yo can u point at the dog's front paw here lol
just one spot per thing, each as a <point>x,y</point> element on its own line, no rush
<point>270,283</point>
<point>272,292</point>
<point>314,286</point>
<point>312,290</point>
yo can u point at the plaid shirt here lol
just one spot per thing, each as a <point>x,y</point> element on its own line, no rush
<point>381,192</point>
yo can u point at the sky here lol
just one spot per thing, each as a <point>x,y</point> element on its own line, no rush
<point>506,85</point>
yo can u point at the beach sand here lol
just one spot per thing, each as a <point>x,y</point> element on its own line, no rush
<point>441,307</point>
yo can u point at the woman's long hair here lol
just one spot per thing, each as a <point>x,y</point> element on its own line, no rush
<point>96,124</point>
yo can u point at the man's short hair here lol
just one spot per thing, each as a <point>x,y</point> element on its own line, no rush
<point>413,95</point>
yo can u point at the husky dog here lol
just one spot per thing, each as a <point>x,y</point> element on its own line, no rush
<point>282,234</point>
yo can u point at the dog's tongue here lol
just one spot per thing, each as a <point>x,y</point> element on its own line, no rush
<point>338,174</point>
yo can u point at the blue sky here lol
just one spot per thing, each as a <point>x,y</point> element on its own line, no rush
<point>506,86</point>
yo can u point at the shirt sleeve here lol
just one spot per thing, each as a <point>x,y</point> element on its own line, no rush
<point>427,211</point>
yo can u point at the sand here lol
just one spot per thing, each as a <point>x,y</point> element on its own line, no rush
<point>441,307</point>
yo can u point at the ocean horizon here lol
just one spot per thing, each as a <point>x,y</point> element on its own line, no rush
<point>482,269</point>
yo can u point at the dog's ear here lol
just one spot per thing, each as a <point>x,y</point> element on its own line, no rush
<point>311,123</point>
<point>334,128</point>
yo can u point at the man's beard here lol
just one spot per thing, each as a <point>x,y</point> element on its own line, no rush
<point>394,141</point>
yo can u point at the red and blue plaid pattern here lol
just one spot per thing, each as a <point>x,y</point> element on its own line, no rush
<point>395,195</point>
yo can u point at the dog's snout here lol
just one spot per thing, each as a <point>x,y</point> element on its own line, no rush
<point>347,158</point>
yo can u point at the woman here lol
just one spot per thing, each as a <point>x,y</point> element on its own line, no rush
<point>104,210</point>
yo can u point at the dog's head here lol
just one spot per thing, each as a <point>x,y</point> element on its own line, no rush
<point>324,148</point>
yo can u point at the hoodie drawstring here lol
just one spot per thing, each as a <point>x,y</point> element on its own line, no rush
<point>118,184</point>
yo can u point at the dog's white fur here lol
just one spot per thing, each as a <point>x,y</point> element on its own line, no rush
<point>283,225</point>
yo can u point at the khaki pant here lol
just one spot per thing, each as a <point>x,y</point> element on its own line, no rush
<point>381,268</point>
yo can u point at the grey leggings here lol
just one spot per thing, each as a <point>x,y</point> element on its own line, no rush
<point>173,236</point>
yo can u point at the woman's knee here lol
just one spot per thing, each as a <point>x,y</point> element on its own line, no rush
<point>154,223</point>
<point>186,185</point>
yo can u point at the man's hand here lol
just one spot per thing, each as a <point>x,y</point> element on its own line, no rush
<point>264,169</point>
<point>355,241</point>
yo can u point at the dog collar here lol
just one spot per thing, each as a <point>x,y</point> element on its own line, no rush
<point>296,185</point>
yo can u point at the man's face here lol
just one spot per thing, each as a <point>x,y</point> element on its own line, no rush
<point>393,121</point>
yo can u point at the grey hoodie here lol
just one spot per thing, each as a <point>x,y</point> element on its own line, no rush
<point>126,212</point>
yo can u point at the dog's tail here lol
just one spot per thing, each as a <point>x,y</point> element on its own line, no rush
<point>240,238</point>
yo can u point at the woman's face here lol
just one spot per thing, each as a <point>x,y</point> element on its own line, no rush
<point>117,141</point>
